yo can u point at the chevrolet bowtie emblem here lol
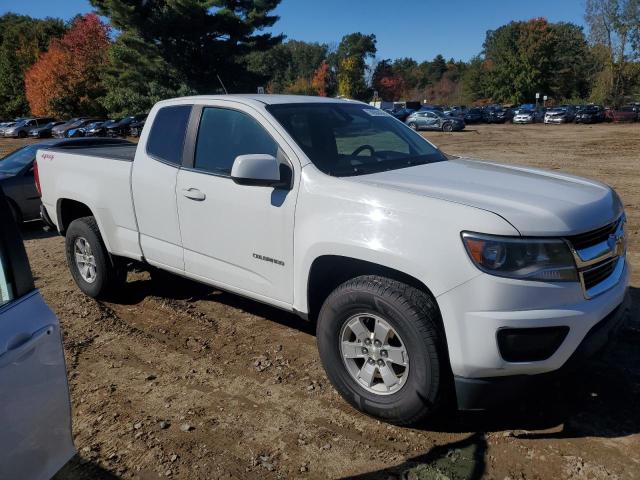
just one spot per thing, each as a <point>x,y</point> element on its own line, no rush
<point>617,243</point>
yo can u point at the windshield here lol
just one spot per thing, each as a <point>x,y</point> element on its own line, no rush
<point>353,139</point>
<point>13,163</point>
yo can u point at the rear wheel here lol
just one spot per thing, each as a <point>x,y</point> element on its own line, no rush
<point>447,127</point>
<point>94,270</point>
<point>22,134</point>
<point>383,350</point>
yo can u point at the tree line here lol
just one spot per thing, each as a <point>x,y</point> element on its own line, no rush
<point>149,51</point>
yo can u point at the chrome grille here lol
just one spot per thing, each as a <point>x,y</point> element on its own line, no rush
<point>600,257</point>
<point>593,237</point>
<point>594,275</point>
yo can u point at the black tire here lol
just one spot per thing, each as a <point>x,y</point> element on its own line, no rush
<point>110,274</point>
<point>415,317</point>
<point>22,134</point>
<point>413,126</point>
<point>447,127</point>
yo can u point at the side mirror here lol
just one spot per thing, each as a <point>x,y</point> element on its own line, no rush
<point>260,170</point>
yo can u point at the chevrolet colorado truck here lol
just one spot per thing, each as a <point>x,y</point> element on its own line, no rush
<point>429,278</point>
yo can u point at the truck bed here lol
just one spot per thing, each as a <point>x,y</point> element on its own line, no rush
<point>123,152</point>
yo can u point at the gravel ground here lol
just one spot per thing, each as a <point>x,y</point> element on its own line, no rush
<point>182,381</point>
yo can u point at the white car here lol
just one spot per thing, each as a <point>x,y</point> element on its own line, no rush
<point>524,117</point>
<point>35,436</point>
<point>420,271</point>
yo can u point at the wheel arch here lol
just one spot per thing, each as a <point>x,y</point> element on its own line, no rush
<point>68,210</point>
<point>327,272</point>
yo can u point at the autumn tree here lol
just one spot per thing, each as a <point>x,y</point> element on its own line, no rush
<point>67,79</point>
<point>292,62</point>
<point>320,80</point>
<point>22,41</point>
<point>350,63</point>
<point>386,82</point>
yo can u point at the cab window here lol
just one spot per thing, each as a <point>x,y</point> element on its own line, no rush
<point>166,139</point>
<point>225,134</point>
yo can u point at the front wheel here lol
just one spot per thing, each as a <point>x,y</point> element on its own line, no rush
<point>383,349</point>
<point>413,126</point>
<point>93,269</point>
<point>447,127</point>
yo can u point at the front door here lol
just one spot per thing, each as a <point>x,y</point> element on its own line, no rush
<point>35,411</point>
<point>238,237</point>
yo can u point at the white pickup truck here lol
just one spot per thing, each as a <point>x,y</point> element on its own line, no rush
<point>430,278</point>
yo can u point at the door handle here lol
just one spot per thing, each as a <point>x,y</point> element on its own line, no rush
<point>193,194</point>
<point>10,356</point>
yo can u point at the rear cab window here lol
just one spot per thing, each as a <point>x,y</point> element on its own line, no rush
<point>166,139</point>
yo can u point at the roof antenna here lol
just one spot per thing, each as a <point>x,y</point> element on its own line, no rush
<point>223,87</point>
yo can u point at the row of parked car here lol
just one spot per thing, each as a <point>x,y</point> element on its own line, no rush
<point>45,127</point>
<point>435,117</point>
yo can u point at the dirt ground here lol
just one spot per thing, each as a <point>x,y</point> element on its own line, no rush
<point>183,381</point>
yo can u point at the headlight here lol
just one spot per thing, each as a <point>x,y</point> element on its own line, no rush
<point>546,260</point>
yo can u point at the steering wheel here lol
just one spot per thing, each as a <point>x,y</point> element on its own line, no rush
<point>362,148</point>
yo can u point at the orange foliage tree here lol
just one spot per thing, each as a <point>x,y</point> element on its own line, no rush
<point>67,79</point>
<point>321,79</point>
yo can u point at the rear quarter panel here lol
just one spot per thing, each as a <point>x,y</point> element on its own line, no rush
<point>102,184</point>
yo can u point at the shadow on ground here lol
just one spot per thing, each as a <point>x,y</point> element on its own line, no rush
<point>80,469</point>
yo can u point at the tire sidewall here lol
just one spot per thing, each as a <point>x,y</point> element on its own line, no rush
<point>423,382</point>
<point>80,228</point>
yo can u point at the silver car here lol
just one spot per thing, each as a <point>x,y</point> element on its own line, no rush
<point>22,128</point>
<point>35,438</point>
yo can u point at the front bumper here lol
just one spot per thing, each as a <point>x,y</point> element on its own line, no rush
<point>484,393</point>
<point>555,120</point>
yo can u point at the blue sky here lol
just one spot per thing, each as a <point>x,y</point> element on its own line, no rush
<point>416,28</point>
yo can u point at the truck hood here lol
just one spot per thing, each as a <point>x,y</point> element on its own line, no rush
<point>535,202</point>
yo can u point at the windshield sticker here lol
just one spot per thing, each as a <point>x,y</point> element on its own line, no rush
<point>374,112</point>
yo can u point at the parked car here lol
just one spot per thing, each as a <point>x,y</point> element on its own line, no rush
<point>401,114</point>
<point>45,130</point>
<point>524,107</point>
<point>60,131</point>
<point>529,116</point>
<point>524,116</point>
<point>4,126</point>
<point>84,127</point>
<point>100,128</point>
<point>473,115</point>
<point>420,272</point>
<point>624,114</point>
<point>35,438</point>
<point>123,127</point>
<point>497,114</point>
<point>17,175</point>
<point>590,114</point>
<point>434,120</point>
<point>22,128</point>
<point>136,127</point>
<point>456,111</point>
<point>634,107</point>
<point>561,114</point>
